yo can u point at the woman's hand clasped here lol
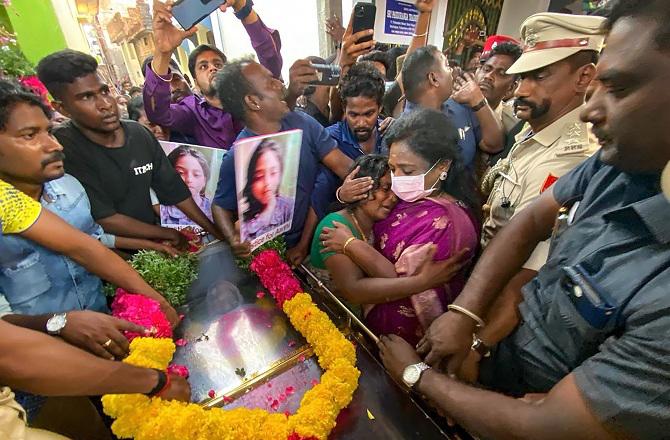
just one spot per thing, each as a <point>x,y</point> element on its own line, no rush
<point>333,239</point>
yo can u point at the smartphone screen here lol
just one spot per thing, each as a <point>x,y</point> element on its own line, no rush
<point>188,13</point>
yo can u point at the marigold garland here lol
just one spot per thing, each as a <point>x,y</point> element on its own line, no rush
<point>144,418</point>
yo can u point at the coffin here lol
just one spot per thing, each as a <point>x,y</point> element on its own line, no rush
<point>242,349</point>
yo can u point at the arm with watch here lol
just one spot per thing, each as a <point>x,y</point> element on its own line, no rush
<point>73,372</point>
<point>561,414</point>
<point>97,333</point>
<point>467,92</point>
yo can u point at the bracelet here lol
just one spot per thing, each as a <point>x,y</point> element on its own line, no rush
<point>245,11</point>
<point>161,386</point>
<point>151,65</point>
<point>346,243</point>
<point>455,308</point>
<point>479,105</point>
<point>337,196</point>
<point>420,35</point>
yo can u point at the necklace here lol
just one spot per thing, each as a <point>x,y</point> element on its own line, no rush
<point>358,227</point>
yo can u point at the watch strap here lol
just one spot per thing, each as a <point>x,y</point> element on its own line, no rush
<point>163,383</point>
<point>480,347</point>
<point>480,105</point>
<point>245,11</point>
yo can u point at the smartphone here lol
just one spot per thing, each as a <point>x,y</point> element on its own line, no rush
<point>188,13</point>
<point>593,303</point>
<point>328,74</point>
<point>364,18</point>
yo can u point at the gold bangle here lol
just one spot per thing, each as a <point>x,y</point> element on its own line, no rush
<point>456,308</point>
<point>346,243</point>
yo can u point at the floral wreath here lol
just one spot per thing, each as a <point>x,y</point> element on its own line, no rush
<point>144,418</point>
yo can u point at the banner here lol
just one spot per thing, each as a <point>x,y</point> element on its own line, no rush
<point>266,175</point>
<point>395,21</point>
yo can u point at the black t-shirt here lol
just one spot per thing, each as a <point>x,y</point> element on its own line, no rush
<point>118,180</point>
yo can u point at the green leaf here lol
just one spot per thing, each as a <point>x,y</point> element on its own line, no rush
<point>170,276</point>
<point>13,62</point>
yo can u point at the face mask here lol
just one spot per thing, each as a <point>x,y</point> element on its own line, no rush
<point>410,188</point>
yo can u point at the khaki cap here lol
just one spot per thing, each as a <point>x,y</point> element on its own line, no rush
<point>665,181</point>
<point>549,37</point>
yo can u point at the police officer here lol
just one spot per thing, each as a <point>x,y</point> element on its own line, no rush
<point>556,68</point>
<point>591,341</point>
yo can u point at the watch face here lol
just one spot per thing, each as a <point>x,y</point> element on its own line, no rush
<point>56,323</point>
<point>411,375</point>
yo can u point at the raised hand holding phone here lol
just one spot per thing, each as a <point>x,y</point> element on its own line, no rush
<point>167,37</point>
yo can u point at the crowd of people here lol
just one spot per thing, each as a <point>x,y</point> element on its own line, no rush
<point>502,228</point>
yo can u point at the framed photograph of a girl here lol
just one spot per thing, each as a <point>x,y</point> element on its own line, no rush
<point>266,170</point>
<point>199,168</point>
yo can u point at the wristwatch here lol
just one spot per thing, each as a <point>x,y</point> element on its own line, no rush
<point>480,347</point>
<point>163,382</point>
<point>480,105</point>
<point>245,11</point>
<point>413,373</point>
<point>56,323</point>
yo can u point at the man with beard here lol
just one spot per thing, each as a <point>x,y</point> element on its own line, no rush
<point>251,94</point>
<point>117,162</point>
<point>361,91</point>
<point>41,289</point>
<point>500,52</point>
<point>549,97</point>
<point>591,338</point>
<point>427,81</point>
<point>201,117</point>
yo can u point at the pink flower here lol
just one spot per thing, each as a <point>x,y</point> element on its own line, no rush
<point>180,370</point>
<point>180,342</point>
<point>315,382</point>
<point>291,343</point>
<point>275,275</point>
<point>227,399</point>
<point>274,405</point>
<point>302,358</point>
<point>289,391</point>
<point>260,294</point>
<point>211,393</point>
<point>141,310</point>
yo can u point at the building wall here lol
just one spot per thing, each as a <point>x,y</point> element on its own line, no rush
<point>514,12</point>
<point>296,21</point>
<point>37,28</point>
<point>66,14</point>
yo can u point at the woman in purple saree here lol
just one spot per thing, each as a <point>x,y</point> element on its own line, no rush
<point>434,214</point>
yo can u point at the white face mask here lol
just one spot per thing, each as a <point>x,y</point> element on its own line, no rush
<point>411,188</point>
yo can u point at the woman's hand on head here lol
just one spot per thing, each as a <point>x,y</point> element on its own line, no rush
<point>333,239</point>
<point>353,190</point>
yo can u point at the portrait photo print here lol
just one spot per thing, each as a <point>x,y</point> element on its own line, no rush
<point>266,171</point>
<point>199,167</point>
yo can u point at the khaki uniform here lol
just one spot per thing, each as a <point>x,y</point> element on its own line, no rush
<point>533,164</point>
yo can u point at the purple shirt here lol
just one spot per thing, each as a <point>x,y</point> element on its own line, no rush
<point>210,126</point>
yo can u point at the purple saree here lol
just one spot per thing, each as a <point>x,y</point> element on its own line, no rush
<point>404,238</point>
